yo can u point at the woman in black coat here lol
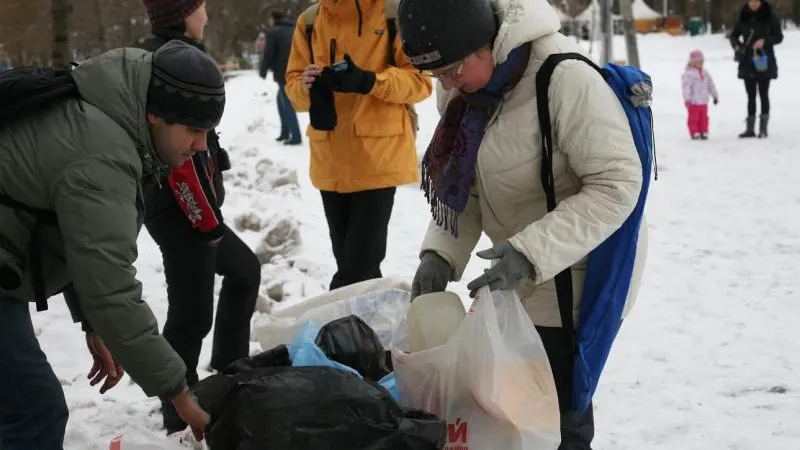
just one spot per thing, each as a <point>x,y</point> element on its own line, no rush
<point>755,36</point>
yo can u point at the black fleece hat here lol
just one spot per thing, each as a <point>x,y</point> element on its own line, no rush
<point>186,87</point>
<point>169,13</point>
<point>437,33</point>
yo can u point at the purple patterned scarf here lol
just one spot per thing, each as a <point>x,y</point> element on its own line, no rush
<point>448,168</point>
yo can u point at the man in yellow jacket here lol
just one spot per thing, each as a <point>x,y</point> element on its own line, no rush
<point>366,147</point>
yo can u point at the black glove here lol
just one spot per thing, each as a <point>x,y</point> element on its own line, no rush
<point>323,109</point>
<point>353,79</point>
<point>432,275</point>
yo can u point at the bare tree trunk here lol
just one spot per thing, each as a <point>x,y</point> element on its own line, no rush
<point>102,39</point>
<point>626,9</point>
<point>60,10</point>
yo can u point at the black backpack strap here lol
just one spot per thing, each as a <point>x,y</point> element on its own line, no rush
<point>391,26</point>
<point>564,278</point>
<point>309,17</point>
<point>309,32</point>
<point>43,218</point>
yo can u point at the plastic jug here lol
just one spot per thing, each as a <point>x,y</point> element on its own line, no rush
<point>433,319</point>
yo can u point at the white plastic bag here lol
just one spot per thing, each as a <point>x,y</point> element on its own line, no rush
<point>382,310</point>
<point>491,380</point>
<point>295,310</point>
<point>136,441</point>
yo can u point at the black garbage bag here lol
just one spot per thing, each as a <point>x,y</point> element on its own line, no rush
<point>310,408</point>
<point>212,392</point>
<point>350,341</point>
<point>276,357</point>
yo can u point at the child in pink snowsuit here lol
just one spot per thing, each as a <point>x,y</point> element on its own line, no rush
<point>697,87</point>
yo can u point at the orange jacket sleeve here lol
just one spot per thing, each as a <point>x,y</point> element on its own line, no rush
<point>402,83</point>
<point>299,58</point>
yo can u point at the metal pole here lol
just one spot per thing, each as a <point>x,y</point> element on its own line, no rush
<point>626,8</point>
<point>605,26</point>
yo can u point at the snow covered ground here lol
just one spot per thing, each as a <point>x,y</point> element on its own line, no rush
<point>708,358</point>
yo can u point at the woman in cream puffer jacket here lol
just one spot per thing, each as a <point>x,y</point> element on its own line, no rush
<point>596,166</point>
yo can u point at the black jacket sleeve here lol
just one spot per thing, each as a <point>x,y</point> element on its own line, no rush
<point>775,35</point>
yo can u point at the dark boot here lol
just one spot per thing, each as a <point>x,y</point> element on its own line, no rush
<point>751,125</point>
<point>172,423</point>
<point>762,125</point>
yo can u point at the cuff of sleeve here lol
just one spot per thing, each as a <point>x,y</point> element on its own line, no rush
<point>369,81</point>
<point>173,393</point>
<point>519,245</point>
<point>216,233</point>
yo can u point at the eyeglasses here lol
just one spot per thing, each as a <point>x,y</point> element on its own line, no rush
<point>452,71</point>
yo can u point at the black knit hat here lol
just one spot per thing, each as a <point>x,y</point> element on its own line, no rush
<point>187,86</point>
<point>168,13</point>
<point>437,33</point>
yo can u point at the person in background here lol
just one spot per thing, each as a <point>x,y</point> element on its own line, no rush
<point>697,86</point>
<point>753,40</point>
<point>261,39</point>
<point>183,217</point>
<point>362,137</point>
<point>275,57</point>
<point>482,169</point>
<point>258,44</point>
<point>85,159</point>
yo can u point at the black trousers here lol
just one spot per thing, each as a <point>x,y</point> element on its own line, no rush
<point>358,223</point>
<point>189,268</point>
<point>577,429</point>
<point>760,87</point>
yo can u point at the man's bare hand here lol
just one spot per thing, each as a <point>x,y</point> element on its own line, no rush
<point>190,412</point>
<point>104,367</point>
<point>311,72</point>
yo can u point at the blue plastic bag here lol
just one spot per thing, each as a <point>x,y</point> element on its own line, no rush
<point>304,352</point>
<point>760,61</point>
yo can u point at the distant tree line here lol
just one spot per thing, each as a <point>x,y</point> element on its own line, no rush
<point>44,32</point>
<point>34,31</point>
<point>722,14</point>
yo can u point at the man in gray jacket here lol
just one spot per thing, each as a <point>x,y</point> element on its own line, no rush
<point>81,162</point>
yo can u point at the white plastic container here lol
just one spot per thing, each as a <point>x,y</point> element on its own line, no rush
<point>433,319</point>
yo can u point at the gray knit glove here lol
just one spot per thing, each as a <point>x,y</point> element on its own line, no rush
<point>432,275</point>
<point>511,269</point>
